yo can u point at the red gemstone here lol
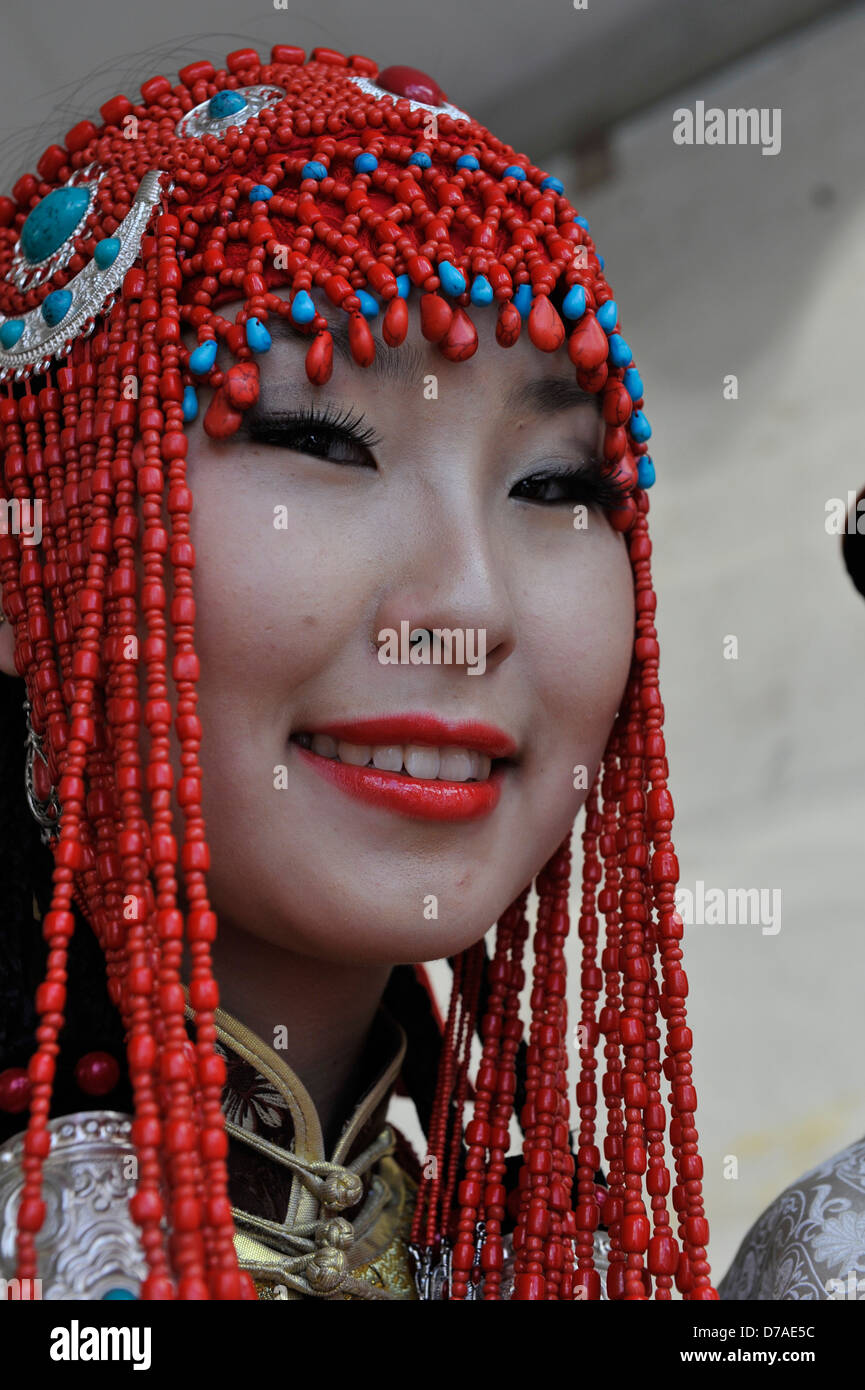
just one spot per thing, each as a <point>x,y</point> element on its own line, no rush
<point>97,1073</point>
<point>411,83</point>
<point>14,1090</point>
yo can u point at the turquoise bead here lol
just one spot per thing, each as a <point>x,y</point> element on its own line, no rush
<point>106,251</point>
<point>633,383</point>
<point>581,222</point>
<point>365,163</point>
<point>467,161</point>
<point>403,286</point>
<point>117,1294</point>
<point>639,426</point>
<point>190,404</point>
<point>10,332</point>
<point>608,315</point>
<point>645,472</point>
<point>620,353</point>
<point>453,280</point>
<point>257,335</point>
<point>52,221</point>
<point>574,302</point>
<point>260,193</point>
<point>481,291</point>
<point>555,184</point>
<point>601,262</point>
<point>421,159</point>
<point>302,308</point>
<point>514,171</point>
<point>369,306</point>
<point>203,358</point>
<point>56,306</point>
<point>226,103</point>
<point>313,170</point>
<point>523,300</point>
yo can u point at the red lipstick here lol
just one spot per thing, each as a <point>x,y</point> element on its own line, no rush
<point>432,799</point>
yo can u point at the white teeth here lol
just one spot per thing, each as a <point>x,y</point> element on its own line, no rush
<point>421,762</point>
<point>455,765</point>
<point>324,745</point>
<point>387,758</point>
<point>418,760</point>
<point>357,753</point>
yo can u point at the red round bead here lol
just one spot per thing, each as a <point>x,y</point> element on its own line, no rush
<point>97,1073</point>
<point>411,83</point>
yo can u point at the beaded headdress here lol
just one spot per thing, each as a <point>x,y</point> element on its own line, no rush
<point>294,174</point>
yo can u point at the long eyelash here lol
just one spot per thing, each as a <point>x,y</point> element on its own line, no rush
<point>327,417</point>
<point>594,480</point>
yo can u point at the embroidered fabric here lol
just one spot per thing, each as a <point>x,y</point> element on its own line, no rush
<point>810,1243</point>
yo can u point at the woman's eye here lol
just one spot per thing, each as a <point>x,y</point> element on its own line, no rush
<point>589,486</point>
<point>317,436</point>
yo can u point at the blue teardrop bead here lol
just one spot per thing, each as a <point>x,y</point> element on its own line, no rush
<point>574,302</point>
<point>260,193</point>
<point>365,163</point>
<point>302,308</point>
<point>514,171</point>
<point>453,280</point>
<point>555,184</point>
<point>313,170</point>
<point>421,159</point>
<point>645,472</point>
<point>608,315</point>
<point>56,306</point>
<point>620,353</point>
<point>481,291</point>
<point>581,222</point>
<point>369,306</point>
<point>601,262</point>
<point>639,426</point>
<point>190,403</point>
<point>468,161</point>
<point>117,1294</point>
<point>10,332</point>
<point>523,300</point>
<point>633,383</point>
<point>403,286</point>
<point>225,104</point>
<point>52,221</point>
<point>257,335</point>
<point>203,358</point>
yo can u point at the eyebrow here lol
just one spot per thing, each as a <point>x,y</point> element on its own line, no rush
<point>405,366</point>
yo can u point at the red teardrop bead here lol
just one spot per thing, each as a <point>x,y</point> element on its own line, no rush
<point>221,420</point>
<point>411,83</point>
<point>242,385</point>
<point>461,340</point>
<point>319,358</point>
<point>546,329</point>
<point>509,324</point>
<point>593,380</point>
<point>588,345</point>
<point>435,317</point>
<point>395,324</point>
<point>360,340</point>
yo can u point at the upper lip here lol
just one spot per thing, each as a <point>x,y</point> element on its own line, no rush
<point>428,729</point>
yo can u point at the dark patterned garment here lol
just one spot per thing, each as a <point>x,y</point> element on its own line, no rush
<point>810,1243</point>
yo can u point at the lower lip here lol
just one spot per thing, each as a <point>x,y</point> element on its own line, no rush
<point>425,800</point>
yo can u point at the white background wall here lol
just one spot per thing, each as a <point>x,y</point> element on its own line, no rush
<point>723,261</point>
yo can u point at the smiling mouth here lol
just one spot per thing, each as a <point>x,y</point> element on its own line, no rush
<point>413,761</point>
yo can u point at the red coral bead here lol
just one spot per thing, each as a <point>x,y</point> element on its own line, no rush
<point>546,329</point>
<point>461,340</point>
<point>412,83</point>
<point>15,1089</point>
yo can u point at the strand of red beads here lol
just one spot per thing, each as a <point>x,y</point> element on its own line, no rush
<point>587,1282</point>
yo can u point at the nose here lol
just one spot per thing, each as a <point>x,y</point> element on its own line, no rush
<point>448,574</point>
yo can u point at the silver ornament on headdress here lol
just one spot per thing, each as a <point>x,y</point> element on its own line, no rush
<point>207,118</point>
<point>27,273</point>
<point>374,90</point>
<point>39,335</point>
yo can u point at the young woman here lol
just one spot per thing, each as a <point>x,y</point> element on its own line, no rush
<point>340,612</point>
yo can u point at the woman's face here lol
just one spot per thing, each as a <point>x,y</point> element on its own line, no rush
<point>309,546</point>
